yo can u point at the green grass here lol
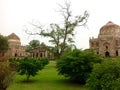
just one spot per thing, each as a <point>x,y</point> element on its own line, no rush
<point>47,79</point>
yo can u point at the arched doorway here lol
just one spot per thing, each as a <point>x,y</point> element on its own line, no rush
<point>37,55</point>
<point>117,53</point>
<point>15,54</point>
<point>107,54</point>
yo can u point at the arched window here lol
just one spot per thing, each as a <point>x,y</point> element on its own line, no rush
<point>97,52</point>
<point>106,47</point>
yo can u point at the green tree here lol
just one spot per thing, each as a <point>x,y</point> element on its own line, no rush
<point>29,66</point>
<point>32,45</point>
<point>77,64</point>
<point>61,36</point>
<point>3,44</point>
<point>105,76</point>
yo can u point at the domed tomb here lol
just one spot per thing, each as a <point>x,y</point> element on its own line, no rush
<point>108,41</point>
<point>15,47</point>
<point>110,29</point>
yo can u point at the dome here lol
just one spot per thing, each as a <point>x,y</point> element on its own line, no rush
<point>110,29</point>
<point>13,36</point>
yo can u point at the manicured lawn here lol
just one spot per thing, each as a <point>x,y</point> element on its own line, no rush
<point>47,79</point>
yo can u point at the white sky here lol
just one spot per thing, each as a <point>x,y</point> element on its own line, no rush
<point>14,14</point>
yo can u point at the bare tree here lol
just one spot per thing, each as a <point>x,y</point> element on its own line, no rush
<point>61,36</point>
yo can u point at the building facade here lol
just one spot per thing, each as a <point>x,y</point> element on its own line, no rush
<point>41,52</point>
<point>15,47</point>
<point>108,41</point>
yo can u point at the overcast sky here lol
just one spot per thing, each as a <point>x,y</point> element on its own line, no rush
<point>15,14</point>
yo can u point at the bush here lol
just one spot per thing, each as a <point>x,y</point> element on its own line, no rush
<point>3,44</point>
<point>77,64</point>
<point>6,75</point>
<point>29,66</point>
<point>44,61</point>
<point>105,76</point>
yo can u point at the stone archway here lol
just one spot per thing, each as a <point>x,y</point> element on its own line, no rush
<point>116,52</point>
<point>16,55</point>
<point>107,54</point>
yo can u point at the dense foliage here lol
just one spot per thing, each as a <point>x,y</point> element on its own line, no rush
<point>3,44</point>
<point>29,66</point>
<point>6,75</point>
<point>105,76</point>
<point>77,64</point>
<point>32,44</point>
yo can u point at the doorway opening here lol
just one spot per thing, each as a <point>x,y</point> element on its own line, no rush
<point>107,54</point>
<point>117,53</point>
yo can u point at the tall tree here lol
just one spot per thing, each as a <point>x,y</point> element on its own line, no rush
<point>61,36</point>
<point>32,45</point>
<point>3,44</point>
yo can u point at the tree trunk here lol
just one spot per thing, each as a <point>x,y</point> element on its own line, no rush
<point>3,88</point>
<point>27,78</point>
<point>59,55</point>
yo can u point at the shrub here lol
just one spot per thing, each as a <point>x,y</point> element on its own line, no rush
<point>3,45</point>
<point>29,66</point>
<point>44,61</point>
<point>77,64</point>
<point>105,76</point>
<point>6,75</point>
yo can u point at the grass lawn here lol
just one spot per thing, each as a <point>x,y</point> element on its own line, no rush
<point>47,79</point>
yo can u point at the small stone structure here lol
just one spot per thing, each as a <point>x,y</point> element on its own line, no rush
<point>41,52</point>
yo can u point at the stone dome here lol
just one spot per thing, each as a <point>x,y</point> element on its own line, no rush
<point>110,29</point>
<point>13,36</point>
